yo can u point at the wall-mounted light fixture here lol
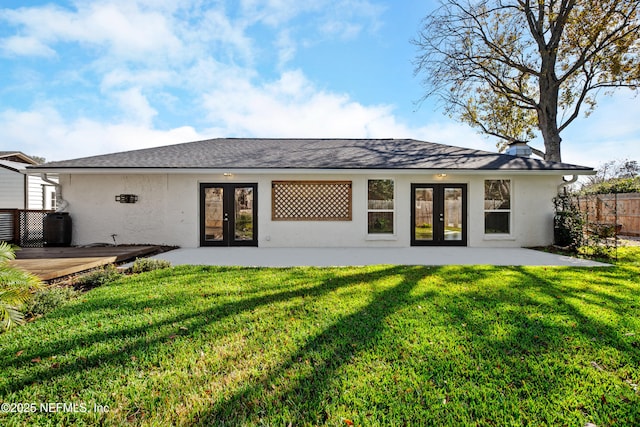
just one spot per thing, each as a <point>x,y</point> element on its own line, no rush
<point>126,198</point>
<point>228,174</point>
<point>442,175</point>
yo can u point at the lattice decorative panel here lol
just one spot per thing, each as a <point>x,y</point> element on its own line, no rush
<point>311,200</point>
<point>32,228</point>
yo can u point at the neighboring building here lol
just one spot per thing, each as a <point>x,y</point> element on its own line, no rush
<point>20,191</point>
<point>311,193</point>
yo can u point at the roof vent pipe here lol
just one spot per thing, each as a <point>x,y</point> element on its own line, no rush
<point>520,149</point>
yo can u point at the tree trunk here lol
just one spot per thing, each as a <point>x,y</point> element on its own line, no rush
<point>548,106</point>
<point>550,134</point>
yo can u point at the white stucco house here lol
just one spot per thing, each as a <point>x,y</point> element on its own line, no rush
<point>311,193</point>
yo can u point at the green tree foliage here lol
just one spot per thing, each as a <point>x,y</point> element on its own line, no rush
<point>16,288</point>
<point>615,176</point>
<point>513,68</point>
<point>615,185</point>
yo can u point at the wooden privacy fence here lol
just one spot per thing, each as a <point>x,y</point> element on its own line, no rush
<point>620,211</point>
<point>22,227</point>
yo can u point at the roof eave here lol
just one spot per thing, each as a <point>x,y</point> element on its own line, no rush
<point>295,171</point>
<point>27,160</point>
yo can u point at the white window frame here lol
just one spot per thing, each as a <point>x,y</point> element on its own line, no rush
<point>381,236</point>
<point>499,236</point>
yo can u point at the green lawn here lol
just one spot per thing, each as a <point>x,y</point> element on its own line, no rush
<point>383,345</point>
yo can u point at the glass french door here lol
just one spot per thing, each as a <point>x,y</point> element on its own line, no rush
<point>439,214</point>
<point>228,214</point>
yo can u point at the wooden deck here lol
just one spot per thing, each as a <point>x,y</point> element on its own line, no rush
<point>53,263</point>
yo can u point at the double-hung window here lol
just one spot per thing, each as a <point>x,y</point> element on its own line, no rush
<point>380,206</point>
<point>497,206</point>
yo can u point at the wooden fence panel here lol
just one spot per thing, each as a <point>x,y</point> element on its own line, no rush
<point>621,209</point>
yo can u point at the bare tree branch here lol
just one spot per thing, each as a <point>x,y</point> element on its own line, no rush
<point>510,68</point>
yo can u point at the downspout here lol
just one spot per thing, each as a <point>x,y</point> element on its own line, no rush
<point>25,193</point>
<point>563,187</point>
<point>63,203</point>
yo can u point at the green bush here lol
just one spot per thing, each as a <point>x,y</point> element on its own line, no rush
<point>16,287</point>
<point>141,265</point>
<point>102,276</point>
<point>49,299</point>
<point>568,223</point>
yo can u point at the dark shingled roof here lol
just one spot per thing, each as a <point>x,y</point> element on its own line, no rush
<point>258,153</point>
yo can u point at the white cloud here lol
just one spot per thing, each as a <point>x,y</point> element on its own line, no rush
<point>293,107</point>
<point>338,16</point>
<point>123,29</point>
<point>290,106</point>
<point>275,13</point>
<point>216,34</point>
<point>136,106</point>
<point>124,76</point>
<point>286,47</point>
<point>26,46</point>
<point>44,132</point>
<point>141,49</point>
<point>127,41</point>
<point>341,29</point>
<point>348,18</point>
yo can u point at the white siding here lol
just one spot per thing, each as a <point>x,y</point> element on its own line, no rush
<point>11,189</point>
<point>35,193</point>
<point>40,193</point>
<point>167,211</point>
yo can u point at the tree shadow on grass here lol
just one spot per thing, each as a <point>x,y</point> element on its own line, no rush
<point>511,339</point>
<point>19,357</point>
<point>305,384</point>
<point>586,319</point>
<point>314,365</point>
<point>544,349</point>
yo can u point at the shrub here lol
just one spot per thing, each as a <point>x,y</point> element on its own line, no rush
<point>16,288</point>
<point>568,223</point>
<point>102,276</point>
<point>141,265</point>
<point>49,299</point>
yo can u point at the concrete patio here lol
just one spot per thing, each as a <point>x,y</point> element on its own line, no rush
<point>323,257</point>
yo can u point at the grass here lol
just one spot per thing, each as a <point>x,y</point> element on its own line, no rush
<point>381,345</point>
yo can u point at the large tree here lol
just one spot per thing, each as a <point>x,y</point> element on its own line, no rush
<point>511,68</point>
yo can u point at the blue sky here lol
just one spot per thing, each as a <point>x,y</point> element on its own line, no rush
<point>86,77</point>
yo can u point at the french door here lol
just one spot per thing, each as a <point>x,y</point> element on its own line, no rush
<point>228,214</point>
<point>439,214</point>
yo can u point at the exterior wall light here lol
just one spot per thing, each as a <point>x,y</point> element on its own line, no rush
<point>126,198</point>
